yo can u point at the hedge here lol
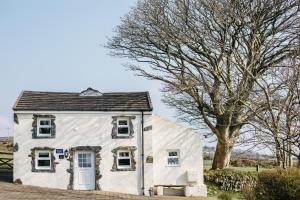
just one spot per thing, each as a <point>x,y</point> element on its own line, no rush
<point>230,180</point>
<point>278,184</point>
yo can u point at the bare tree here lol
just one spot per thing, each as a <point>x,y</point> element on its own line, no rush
<point>210,55</point>
<point>277,123</point>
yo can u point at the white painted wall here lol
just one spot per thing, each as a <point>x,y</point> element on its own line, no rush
<point>169,135</point>
<point>94,129</point>
<point>77,130</point>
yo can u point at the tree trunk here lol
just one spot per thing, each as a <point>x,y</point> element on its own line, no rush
<point>222,156</point>
<point>278,157</point>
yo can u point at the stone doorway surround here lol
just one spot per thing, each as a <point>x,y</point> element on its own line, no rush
<point>96,150</point>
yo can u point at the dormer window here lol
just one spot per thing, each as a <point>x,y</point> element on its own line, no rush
<point>123,127</point>
<point>44,127</point>
<point>90,92</point>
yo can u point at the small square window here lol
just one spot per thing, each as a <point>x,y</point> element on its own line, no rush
<point>44,127</point>
<point>43,160</point>
<point>173,158</point>
<point>124,160</point>
<point>123,127</point>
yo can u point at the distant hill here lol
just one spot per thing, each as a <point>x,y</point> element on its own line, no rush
<point>209,152</point>
<point>6,139</point>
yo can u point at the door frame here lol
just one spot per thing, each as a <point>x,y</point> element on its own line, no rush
<point>97,158</point>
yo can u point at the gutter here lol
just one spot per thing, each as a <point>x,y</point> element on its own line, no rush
<point>143,157</point>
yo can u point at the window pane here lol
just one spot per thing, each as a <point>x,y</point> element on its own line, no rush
<point>123,122</point>
<point>84,160</point>
<point>123,130</point>
<point>44,163</point>
<point>123,154</point>
<point>44,155</point>
<point>124,162</point>
<point>173,153</point>
<point>172,161</point>
<point>45,122</point>
<point>44,130</point>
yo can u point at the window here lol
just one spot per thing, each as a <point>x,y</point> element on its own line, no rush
<point>43,160</point>
<point>123,160</point>
<point>44,127</point>
<point>173,157</point>
<point>84,160</point>
<point>123,127</point>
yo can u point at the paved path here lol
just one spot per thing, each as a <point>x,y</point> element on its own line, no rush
<point>9,191</point>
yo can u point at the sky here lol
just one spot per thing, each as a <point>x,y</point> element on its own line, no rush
<point>58,46</point>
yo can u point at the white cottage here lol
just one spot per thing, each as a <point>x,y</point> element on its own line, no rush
<point>103,141</point>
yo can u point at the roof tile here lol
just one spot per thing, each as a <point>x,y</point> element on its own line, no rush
<point>65,101</point>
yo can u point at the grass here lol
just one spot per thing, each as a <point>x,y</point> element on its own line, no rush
<point>213,191</point>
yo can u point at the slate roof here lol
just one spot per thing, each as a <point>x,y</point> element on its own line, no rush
<point>66,101</point>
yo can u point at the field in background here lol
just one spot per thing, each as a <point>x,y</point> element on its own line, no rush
<point>207,165</point>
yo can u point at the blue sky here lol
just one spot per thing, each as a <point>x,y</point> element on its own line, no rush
<point>56,46</point>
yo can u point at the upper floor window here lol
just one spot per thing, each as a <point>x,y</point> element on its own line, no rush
<point>173,157</point>
<point>123,127</point>
<point>123,158</point>
<point>44,127</point>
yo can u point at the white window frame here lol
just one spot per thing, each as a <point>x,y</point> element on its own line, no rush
<point>123,126</point>
<point>43,126</point>
<point>126,157</point>
<point>37,158</point>
<point>178,156</point>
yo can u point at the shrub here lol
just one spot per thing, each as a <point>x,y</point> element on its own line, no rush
<point>225,196</point>
<point>252,163</point>
<point>243,163</point>
<point>278,184</point>
<point>229,179</point>
<point>248,193</point>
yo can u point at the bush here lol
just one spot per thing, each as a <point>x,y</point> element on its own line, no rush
<point>243,163</point>
<point>278,184</point>
<point>230,180</point>
<point>252,163</point>
<point>225,196</point>
<point>248,193</point>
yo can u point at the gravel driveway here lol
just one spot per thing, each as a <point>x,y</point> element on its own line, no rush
<point>9,191</point>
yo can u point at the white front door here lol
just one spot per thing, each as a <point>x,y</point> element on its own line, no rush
<point>84,170</point>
